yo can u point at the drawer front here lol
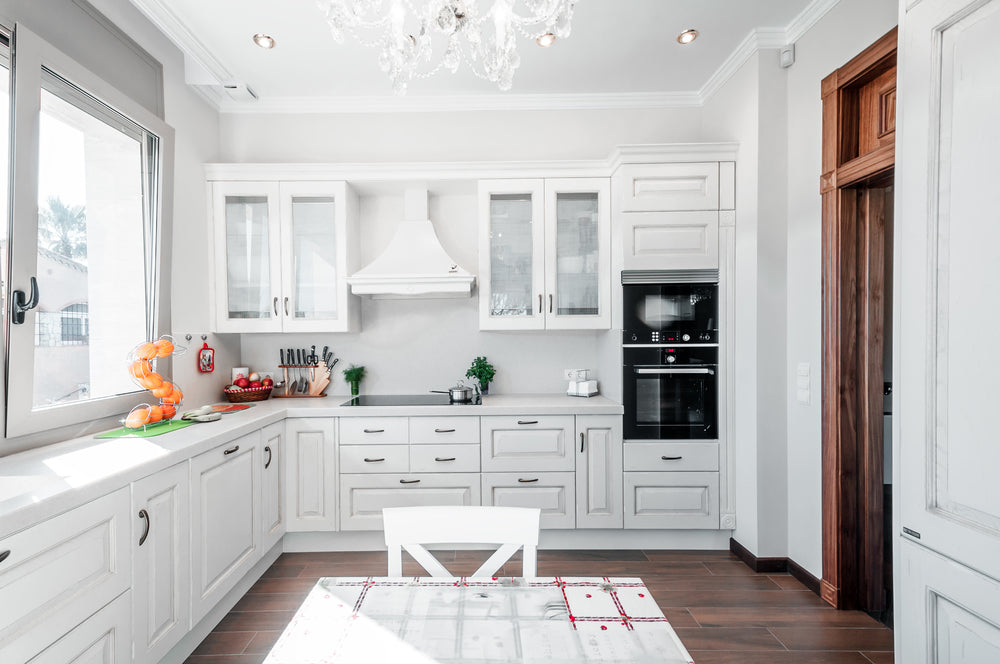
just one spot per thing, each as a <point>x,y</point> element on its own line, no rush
<point>363,497</point>
<point>365,430</point>
<point>672,500</point>
<point>646,457</point>
<point>665,187</point>
<point>62,570</point>
<point>444,458</point>
<point>103,638</point>
<point>671,240</point>
<point>531,443</point>
<point>553,493</point>
<point>463,429</point>
<point>374,458</point>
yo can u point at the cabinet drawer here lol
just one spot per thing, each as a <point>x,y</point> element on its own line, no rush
<point>679,456</point>
<point>374,458</point>
<point>61,571</point>
<point>363,497</point>
<point>530,443</point>
<point>672,500</point>
<point>664,187</point>
<point>103,638</point>
<point>364,430</point>
<point>553,493</point>
<point>464,429</point>
<point>444,458</point>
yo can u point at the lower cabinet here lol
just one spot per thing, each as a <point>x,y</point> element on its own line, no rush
<point>225,515</point>
<point>161,573</point>
<point>363,496</point>
<point>599,492</point>
<point>272,510</point>
<point>310,474</point>
<point>552,493</point>
<point>672,500</point>
<point>103,638</point>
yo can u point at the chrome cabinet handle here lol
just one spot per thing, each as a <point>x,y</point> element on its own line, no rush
<point>286,306</point>
<point>527,421</point>
<point>444,458</point>
<point>680,370</point>
<point>4,554</point>
<point>231,450</point>
<point>539,303</point>
<point>550,303</point>
<point>581,442</point>
<point>670,458</point>
<point>267,464</point>
<point>374,430</point>
<point>144,515</point>
<point>275,306</point>
<point>408,481</point>
<point>444,431</point>
<point>527,481</point>
<point>367,460</point>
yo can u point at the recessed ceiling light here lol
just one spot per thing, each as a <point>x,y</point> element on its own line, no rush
<point>687,36</point>
<point>545,40</point>
<point>264,41</point>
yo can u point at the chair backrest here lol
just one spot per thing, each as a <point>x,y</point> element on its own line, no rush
<point>411,527</point>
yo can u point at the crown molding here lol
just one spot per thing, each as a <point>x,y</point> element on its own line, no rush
<point>806,19</point>
<point>169,24</point>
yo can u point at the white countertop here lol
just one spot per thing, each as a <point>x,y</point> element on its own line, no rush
<point>43,482</point>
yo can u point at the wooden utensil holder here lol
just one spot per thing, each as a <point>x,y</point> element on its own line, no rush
<point>318,380</point>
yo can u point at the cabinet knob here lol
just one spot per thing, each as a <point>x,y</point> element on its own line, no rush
<point>444,431</point>
<point>527,421</point>
<point>671,458</point>
<point>408,481</point>
<point>444,458</point>
<point>582,438</point>
<point>267,464</point>
<point>367,460</point>
<point>4,554</point>
<point>276,307</point>
<point>539,303</point>
<point>232,450</point>
<point>144,515</point>
<point>286,306</point>
<point>534,479</point>
<point>374,430</point>
<point>550,303</point>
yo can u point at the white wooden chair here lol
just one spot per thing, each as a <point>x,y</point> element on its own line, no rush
<point>411,527</point>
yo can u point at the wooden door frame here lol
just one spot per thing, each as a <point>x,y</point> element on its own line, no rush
<point>853,227</point>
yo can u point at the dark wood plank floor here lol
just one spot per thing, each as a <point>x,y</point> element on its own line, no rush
<point>722,611</point>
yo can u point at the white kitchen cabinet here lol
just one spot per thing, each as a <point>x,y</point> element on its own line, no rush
<point>310,474</point>
<point>444,458</point>
<point>374,430</point>
<point>226,521</point>
<point>60,571</point>
<point>282,252</point>
<point>374,459</point>
<point>103,638</point>
<point>161,545</point>
<point>599,490</point>
<point>272,509</point>
<point>536,443</point>
<point>363,497</point>
<point>446,429</point>
<point>672,500</point>
<point>544,254</point>
<point>670,187</point>
<point>670,240</point>
<point>553,493</point>
<point>656,456</point>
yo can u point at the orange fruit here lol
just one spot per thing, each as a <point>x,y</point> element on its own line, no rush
<point>163,390</point>
<point>139,368</point>
<point>155,414</point>
<point>137,418</point>
<point>164,347</point>
<point>152,381</point>
<point>168,411</point>
<point>176,396</point>
<point>146,351</point>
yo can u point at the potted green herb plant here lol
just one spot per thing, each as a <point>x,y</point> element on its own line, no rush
<point>354,375</point>
<point>483,372</point>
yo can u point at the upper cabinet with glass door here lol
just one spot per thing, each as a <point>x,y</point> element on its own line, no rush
<point>544,254</point>
<point>281,251</point>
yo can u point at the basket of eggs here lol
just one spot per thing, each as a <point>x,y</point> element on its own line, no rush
<point>248,388</point>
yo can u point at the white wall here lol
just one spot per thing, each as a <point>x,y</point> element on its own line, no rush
<point>843,33</point>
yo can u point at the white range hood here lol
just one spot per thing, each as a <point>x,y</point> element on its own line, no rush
<point>414,265</point>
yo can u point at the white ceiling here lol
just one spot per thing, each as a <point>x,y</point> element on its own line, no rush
<point>617,47</point>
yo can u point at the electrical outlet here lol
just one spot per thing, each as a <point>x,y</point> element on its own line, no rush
<point>568,374</point>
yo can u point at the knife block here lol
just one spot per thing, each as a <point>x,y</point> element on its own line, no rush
<point>317,380</point>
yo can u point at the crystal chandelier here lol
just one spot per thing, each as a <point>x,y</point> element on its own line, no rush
<point>417,39</point>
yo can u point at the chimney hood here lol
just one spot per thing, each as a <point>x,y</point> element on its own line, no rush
<point>414,264</point>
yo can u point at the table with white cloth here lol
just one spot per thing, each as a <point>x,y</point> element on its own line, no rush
<point>479,621</point>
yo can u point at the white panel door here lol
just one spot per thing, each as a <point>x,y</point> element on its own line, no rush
<point>272,508</point>
<point>363,497</point>
<point>533,442</point>
<point>666,187</point>
<point>947,275</point>
<point>599,472</point>
<point>161,545</point>
<point>311,474</point>
<point>670,240</point>
<point>104,638</point>
<point>225,520</point>
<point>672,500</point>
<point>552,493</point>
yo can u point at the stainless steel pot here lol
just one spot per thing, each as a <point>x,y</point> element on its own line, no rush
<point>459,392</point>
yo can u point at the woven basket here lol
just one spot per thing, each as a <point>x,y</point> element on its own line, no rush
<point>247,394</point>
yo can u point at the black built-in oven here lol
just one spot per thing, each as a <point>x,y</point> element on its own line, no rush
<point>670,355</point>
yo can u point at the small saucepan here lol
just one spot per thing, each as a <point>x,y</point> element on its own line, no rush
<point>460,392</point>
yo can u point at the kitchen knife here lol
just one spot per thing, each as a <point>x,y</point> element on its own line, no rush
<point>325,348</point>
<point>282,352</point>
<point>313,359</point>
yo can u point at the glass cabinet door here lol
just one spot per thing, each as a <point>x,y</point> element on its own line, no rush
<point>248,268</point>
<point>511,255</point>
<point>577,273</point>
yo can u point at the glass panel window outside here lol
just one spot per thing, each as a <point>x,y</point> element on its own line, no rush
<point>92,255</point>
<point>248,276</point>
<point>4,164</point>
<point>577,257</point>
<point>314,242</point>
<point>510,255</point>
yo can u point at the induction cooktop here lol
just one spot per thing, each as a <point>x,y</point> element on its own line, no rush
<point>408,400</point>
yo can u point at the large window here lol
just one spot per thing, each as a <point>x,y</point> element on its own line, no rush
<point>85,226</point>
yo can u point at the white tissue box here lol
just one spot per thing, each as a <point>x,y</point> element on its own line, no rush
<point>582,388</point>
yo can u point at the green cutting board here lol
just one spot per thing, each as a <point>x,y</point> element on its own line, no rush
<point>172,425</point>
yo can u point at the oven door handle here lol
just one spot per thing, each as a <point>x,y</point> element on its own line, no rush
<point>678,370</point>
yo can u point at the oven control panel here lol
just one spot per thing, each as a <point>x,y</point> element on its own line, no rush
<point>670,337</point>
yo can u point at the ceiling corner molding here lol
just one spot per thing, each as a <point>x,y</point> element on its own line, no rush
<point>465,103</point>
<point>158,12</point>
<point>809,17</point>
